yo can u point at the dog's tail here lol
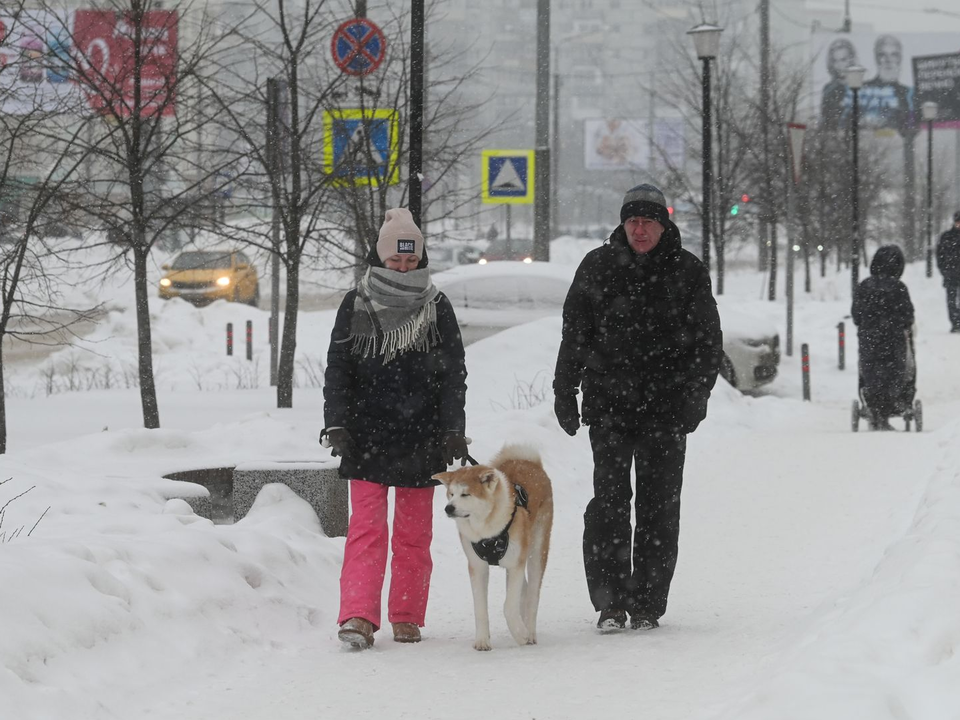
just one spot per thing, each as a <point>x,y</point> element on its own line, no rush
<point>517,452</point>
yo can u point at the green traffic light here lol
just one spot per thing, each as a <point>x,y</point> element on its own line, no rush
<point>735,210</point>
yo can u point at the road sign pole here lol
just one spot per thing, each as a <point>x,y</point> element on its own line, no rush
<point>416,112</point>
<point>541,204</point>
<point>508,230</point>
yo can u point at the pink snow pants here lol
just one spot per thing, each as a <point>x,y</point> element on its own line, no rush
<point>365,554</point>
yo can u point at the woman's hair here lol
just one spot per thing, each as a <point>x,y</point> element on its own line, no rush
<point>840,43</point>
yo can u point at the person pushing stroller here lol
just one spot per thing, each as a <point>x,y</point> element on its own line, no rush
<point>883,313</point>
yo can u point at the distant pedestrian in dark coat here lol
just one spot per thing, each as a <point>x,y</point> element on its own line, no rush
<point>394,395</point>
<point>641,339</point>
<point>948,263</point>
<point>883,314</point>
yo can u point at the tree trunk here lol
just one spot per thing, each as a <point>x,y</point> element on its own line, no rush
<point>288,345</point>
<point>3,407</point>
<point>148,390</point>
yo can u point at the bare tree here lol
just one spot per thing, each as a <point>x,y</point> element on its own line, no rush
<point>39,164</point>
<point>330,205</point>
<point>137,67</point>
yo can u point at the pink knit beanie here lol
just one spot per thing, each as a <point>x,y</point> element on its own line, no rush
<point>399,235</point>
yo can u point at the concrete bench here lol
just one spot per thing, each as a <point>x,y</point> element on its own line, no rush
<point>317,482</point>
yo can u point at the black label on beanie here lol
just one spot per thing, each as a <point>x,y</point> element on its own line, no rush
<point>406,247</point>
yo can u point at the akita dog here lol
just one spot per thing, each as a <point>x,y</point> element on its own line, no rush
<point>504,513</point>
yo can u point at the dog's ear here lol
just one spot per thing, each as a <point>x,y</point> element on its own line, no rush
<point>444,477</point>
<point>489,478</point>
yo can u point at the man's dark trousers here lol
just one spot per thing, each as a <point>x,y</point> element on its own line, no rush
<point>607,546</point>
<point>953,302</point>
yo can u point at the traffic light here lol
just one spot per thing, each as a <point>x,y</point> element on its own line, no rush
<point>745,198</point>
<point>735,210</point>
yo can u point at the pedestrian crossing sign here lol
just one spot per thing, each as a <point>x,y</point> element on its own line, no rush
<point>507,176</point>
<point>360,147</point>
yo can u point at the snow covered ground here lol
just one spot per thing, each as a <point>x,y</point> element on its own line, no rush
<point>818,573</point>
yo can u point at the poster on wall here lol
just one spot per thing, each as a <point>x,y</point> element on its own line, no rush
<point>84,60</point>
<point>624,144</point>
<point>937,79</point>
<point>105,49</point>
<point>887,101</point>
<point>35,63</point>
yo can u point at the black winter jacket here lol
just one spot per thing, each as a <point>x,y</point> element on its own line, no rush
<point>948,256</point>
<point>641,336</point>
<point>882,310</point>
<point>397,413</point>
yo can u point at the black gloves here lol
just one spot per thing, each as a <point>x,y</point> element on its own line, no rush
<point>568,414</point>
<point>454,447</point>
<point>694,407</point>
<point>341,441</point>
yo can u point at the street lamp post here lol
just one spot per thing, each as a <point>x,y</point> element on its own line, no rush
<point>706,40</point>
<point>854,77</point>
<point>929,110</point>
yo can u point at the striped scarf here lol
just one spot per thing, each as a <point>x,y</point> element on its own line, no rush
<point>394,312</point>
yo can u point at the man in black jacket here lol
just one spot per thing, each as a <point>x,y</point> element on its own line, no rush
<point>948,262</point>
<point>642,339</point>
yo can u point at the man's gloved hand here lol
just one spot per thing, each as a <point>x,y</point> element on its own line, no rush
<point>342,442</point>
<point>568,414</point>
<point>454,447</point>
<point>694,407</point>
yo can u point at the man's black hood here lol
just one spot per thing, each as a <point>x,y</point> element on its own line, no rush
<point>888,261</point>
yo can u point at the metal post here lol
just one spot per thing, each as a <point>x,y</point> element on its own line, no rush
<point>772,250</point>
<point>555,157</point>
<point>791,193</point>
<point>229,338</point>
<point>508,244</point>
<point>541,190</point>
<point>930,198</point>
<point>249,339</point>
<point>909,195</point>
<point>855,204</point>
<point>805,369</point>
<point>416,110</point>
<point>841,346</point>
<point>707,165</point>
<point>767,197</point>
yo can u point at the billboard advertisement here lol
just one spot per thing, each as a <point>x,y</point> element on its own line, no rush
<point>621,144</point>
<point>937,79</point>
<point>35,63</point>
<point>84,60</point>
<point>105,51</point>
<point>887,100</point>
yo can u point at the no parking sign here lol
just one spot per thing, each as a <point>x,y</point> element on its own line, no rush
<point>358,47</point>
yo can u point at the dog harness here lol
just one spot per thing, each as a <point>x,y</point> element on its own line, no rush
<point>492,549</point>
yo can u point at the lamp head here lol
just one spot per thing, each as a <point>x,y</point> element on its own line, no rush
<point>706,40</point>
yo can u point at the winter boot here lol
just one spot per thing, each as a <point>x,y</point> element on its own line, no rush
<point>357,633</point>
<point>404,632</point>
<point>612,620</point>
<point>643,622</point>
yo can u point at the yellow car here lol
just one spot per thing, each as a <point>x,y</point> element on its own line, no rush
<point>200,277</point>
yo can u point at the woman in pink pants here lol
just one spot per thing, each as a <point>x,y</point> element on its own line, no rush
<point>394,393</point>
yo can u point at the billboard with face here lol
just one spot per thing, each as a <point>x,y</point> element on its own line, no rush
<point>887,101</point>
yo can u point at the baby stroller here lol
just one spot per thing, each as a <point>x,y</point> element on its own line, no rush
<point>891,395</point>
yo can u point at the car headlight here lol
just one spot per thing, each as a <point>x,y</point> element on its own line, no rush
<point>482,261</point>
<point>165,282</point>
<point>528,260</point>
<point>223,281</point>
